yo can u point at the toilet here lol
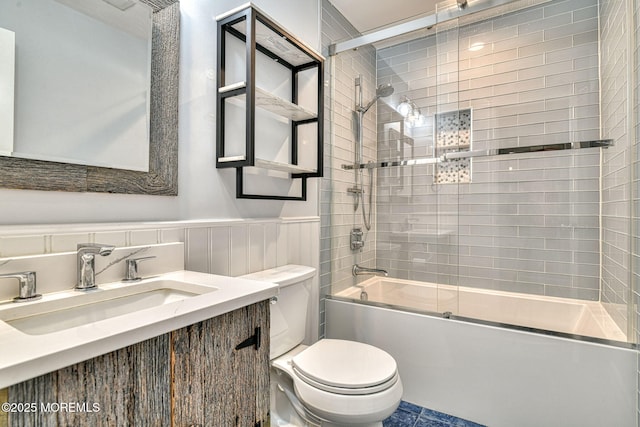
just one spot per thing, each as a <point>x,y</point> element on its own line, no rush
<point>331,382</point>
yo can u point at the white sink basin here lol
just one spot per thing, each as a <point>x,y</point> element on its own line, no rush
<point>71,309</point>
<point>68,326</point>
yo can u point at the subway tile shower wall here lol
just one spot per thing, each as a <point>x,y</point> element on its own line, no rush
<point>527,222</point>
<point>336,203</point>
<point>616,166</point>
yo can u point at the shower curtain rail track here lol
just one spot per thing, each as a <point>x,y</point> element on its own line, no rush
<point>603,143</point>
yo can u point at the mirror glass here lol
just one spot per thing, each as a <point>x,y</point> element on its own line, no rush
<point>7,73</point>
<point>82,81</point>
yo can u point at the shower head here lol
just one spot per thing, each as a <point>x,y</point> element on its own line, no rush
<point>381,92</point>
<point>384,90</point>
<point>462,4</point>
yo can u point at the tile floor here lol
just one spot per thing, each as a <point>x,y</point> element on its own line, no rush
<point>410,415</point>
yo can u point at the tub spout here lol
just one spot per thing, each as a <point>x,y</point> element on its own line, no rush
<point>358,271</point>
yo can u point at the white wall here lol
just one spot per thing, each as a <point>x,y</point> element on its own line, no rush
<point>204,191</point>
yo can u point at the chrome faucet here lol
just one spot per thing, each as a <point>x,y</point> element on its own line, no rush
<point>26,285</point>
<point>358,271</point>
<point>86,263</point>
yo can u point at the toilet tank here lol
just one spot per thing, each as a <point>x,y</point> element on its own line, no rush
<point>289,312</point>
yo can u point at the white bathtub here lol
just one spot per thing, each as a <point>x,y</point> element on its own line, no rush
<point>496,376</point>
<point>578,317</point>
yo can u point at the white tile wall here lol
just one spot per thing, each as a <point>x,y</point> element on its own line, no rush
<point>16,246</point>
<point>57,271</point>
<point>235,249</point>
<point>230,248</point>
<point>220,250</point>
<point>197,249</point>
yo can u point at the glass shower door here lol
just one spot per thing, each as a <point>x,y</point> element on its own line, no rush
<point>451,133</point>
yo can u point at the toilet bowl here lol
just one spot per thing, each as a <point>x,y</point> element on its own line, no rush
<point>331,382</point>
<point>342,382</point>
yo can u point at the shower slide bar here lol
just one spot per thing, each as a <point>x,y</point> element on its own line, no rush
<point>603,143</point>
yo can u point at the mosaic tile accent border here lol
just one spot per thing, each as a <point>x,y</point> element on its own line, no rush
<point>453,133</point>
<point>410,415</point>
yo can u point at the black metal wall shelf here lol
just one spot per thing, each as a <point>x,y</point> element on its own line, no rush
<point>262,35</point>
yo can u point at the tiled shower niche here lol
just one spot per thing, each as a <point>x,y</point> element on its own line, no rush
<point>452,134</point>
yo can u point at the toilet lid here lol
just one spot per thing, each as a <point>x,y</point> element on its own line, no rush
<point>346,367</point>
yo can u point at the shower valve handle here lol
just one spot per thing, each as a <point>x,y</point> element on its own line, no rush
<point>356,239</point>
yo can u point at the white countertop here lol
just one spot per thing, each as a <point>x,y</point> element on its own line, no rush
<point>24,356</point>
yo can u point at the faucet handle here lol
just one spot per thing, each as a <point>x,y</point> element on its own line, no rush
<point>26,285</point>
<point>131,274</point>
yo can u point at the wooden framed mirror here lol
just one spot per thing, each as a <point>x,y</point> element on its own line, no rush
<point>162,177</point>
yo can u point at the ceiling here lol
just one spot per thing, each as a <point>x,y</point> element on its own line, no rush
<point>367,15</point>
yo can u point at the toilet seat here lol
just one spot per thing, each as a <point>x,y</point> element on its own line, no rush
<point>345,367</point>
<point>348,391</point>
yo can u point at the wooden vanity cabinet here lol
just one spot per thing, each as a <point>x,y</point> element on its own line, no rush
<point>212,373</point>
